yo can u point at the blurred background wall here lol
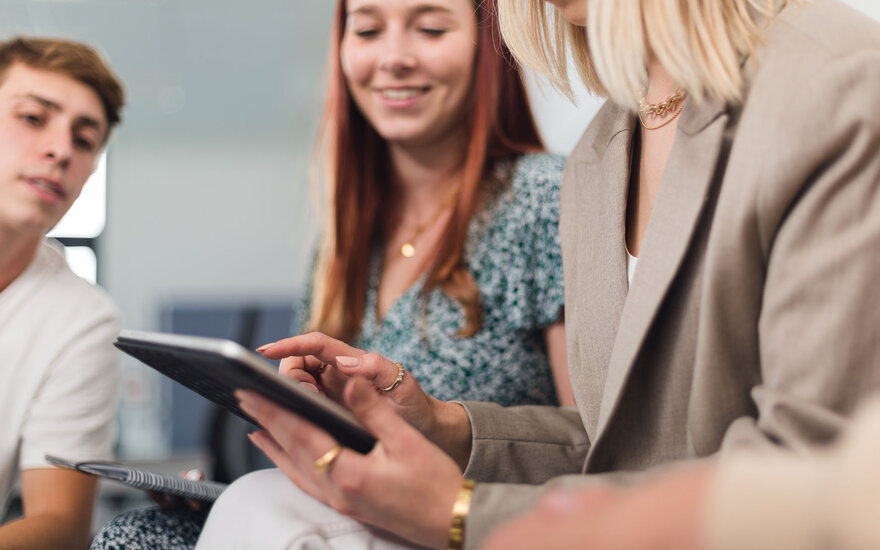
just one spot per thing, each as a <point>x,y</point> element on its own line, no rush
<point>207,198</point>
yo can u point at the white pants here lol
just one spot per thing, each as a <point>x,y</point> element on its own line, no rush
<point>265,511</point>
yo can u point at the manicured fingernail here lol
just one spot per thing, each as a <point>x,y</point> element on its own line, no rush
<point>194,474</point>
<point>264,347</point>
<point>347,361</point>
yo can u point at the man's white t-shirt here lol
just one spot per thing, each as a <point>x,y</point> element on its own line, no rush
<point>58,368</point>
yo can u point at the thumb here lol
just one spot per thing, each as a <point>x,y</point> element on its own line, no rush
<point>376,415</point>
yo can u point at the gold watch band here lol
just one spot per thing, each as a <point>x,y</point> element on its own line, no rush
<point>459,514</point>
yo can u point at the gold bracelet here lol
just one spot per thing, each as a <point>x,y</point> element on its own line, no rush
<point>459,514</point>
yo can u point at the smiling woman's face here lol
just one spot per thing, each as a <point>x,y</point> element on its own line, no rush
<point>409,65</point>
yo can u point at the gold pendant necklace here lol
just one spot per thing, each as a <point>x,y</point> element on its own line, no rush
<point>408,248</point>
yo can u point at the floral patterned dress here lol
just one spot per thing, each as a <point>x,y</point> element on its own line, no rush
<point>513,253</point>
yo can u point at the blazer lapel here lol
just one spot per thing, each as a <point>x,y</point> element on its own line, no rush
<point>593,210</point>
<point>687,179</point>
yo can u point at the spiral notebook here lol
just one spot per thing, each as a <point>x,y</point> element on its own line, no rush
<point>207,491</point>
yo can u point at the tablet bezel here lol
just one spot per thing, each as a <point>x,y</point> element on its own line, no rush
<point>261,377</point>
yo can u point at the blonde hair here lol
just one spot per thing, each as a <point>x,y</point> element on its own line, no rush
<point>701,43</point>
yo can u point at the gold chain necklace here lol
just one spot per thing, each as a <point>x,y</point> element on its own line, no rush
<point>408,248</point>
<point>673,102</point>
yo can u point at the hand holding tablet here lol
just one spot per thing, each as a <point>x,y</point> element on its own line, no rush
<point>215,368</point>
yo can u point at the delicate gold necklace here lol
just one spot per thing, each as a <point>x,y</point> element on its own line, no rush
<point>673,102</point>
<point>408,248</point>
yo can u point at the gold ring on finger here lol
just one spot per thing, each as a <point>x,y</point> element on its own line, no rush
<point>326,460</point>
<point>401,370</point>
<point>322,367</point>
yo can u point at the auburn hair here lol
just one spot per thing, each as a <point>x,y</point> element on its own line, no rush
<point>72,59</point>
<point>354,166</point>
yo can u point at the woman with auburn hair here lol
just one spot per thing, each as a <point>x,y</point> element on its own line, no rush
<point>718,221</point>
<point>441,245</point>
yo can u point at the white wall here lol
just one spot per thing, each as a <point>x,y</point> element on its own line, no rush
<point>201,221</point>
<point>871,7</point>
<point>198,222</point>
<point>561,120</point>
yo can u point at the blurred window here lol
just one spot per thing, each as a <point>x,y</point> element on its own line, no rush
<point>79,230</point>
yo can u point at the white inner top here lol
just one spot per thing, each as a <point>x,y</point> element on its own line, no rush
<point>631,262</point>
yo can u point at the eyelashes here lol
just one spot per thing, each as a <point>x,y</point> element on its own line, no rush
<point>429,31</point>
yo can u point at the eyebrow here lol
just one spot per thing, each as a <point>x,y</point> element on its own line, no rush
<point>54,106</point>
<point>418,10</point>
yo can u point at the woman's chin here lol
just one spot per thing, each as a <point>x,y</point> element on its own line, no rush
<point>574,11</point>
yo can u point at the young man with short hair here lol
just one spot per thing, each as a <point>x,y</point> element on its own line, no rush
<point>58,377</point>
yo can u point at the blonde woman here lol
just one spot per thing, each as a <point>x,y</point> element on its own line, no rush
<point>719,222</point>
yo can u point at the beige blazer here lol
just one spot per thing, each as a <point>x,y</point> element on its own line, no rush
<point>754,315</point>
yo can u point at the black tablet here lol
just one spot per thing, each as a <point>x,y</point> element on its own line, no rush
<point>215,368</point>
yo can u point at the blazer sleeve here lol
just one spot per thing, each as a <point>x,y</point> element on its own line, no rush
<point>514,449</point>
<point>818,223</point>
<point>526,444</point>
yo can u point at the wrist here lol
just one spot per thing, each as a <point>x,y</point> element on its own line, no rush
<point>451,431</point>
<point>460,510</point>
